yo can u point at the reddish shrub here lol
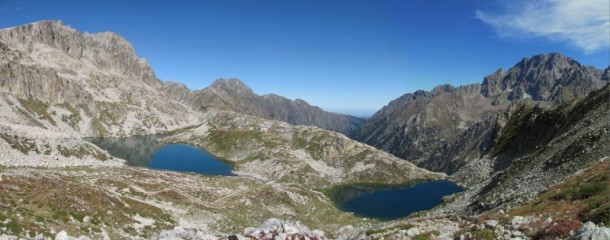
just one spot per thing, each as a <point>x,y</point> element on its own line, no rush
<point>559,229</point>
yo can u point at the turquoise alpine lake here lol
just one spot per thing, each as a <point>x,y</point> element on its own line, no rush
<point>146,151</point>
<point>387,203</point>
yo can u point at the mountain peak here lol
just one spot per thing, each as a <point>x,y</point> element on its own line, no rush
<point>542,77</point>
<point>548,61</point>
<point>231,85</point>
<point>56,23</point>
<point>444,88</point>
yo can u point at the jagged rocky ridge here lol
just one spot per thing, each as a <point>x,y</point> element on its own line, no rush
<point>234,95</point>
<point>506,139</point>
<point>89,84</point>
<point>433,129</point>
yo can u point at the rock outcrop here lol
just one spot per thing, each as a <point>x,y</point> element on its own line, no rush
<point>590,231</point>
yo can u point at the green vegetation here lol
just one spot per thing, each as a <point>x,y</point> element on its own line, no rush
<point>82,151</point>
<point>27,202</point>
<point>226,141</point>
<point>74,118</point>
<point>397,227</point>
<point>38,107</point>
<point>181,130</point>
<point>98,128</point>
<point>24,145</point>
<point>427,235</point>
<point>313,146</point>
<point>558,230</point>
<point>482,234</point>
<point>583,197</point>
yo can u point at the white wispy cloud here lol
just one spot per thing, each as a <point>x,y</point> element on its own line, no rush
<point>583,23</point>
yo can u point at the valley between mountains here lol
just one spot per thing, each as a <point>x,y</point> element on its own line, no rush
<point>529,144</point>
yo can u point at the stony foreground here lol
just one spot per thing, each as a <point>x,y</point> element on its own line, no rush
<point>128,203</point>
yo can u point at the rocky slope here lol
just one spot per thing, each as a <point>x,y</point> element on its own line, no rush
<point>535,147</point>
<point>136,203</point>
<point>433,129</point>
<point>234,95</point>
<point>417,127</point>
<point>311,156</point>
<point>88,84</point>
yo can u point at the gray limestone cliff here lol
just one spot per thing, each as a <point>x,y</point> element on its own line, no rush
<point>91,84</point>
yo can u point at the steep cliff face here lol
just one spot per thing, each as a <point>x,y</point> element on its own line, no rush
<point>420,126</point>
<point>234,95</point>
<point>442,129</point>
<point>551,78</point>
<point>535,147</point>
<point>93,83</point>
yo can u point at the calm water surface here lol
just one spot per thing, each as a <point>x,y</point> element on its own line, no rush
<point>387,203</point>
<point>146,151</point>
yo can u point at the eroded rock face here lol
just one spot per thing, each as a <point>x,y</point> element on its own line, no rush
<point>96,78</point>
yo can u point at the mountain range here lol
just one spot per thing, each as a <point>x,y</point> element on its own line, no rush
<point>508,140</point>
<point>234,95</point>
<point>431,128</point>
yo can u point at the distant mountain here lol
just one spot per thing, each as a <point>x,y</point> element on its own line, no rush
<point>233,94</point>
<point>432,129</point>
<point>550,78</point>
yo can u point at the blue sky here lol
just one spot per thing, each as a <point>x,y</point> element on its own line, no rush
<point>349,56</point>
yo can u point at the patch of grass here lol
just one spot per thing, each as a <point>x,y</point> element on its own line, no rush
<point>225,141</point>
<point>78,216</point>
<point>69,198</point>
<point>427,235</point>
<point>583,197</point>
<point>38,107</point>
<point>14,227</point>
<point>22,144</point>
<point>98,128</point>
<point>479,234</point>
<point>559,229</point>
<point>483,234</point>
<point>180,130</point>
<point>82,151</point>
<point>130,231</point>
<point>74,118</point>
<point>375,231</point>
